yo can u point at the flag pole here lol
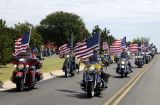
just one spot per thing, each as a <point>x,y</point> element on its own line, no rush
<point>29,35</point>
<point>108,45</point>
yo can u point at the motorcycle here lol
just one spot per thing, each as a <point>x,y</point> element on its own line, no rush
<point>116,58</point>
<point>70,66</point>
<point>139,61</point>
<point>92,82</point>
<point>147,58</point>
<point>122,67</point>
<point>25,75</point>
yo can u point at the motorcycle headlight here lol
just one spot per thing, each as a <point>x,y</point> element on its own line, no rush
<point>139,56</point>
<point>122,66</point>
<point>27,66</point>
<point>122,62</point>
<point>20,66</point>
<point>15,66</point>
<point>92,68</point>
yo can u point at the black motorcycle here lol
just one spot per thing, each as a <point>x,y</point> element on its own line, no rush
<point>70,66</point>
<point>122,67</point>
<point>147,57</point>
<point>139,60</point>
<point>92,82</point>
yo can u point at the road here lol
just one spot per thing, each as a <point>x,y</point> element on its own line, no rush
<point>147,89</point>
<point>65,91</point>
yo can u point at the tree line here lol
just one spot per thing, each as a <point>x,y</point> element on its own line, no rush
<point>56,28</point>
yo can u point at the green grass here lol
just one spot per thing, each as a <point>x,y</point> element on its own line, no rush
<point>48,65</point>
<point>6,72</point>
<point>52,64</point>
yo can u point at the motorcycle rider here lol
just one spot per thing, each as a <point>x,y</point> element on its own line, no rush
<point>124,54</point>
<point>95,59</point>
<point>140,53</point>
<point>38,64</point>
<point>70,58</point>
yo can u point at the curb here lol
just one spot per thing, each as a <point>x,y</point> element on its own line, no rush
<point>7,85</point>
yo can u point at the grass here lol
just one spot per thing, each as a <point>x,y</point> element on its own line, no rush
<point>52,64</point>
<point>48,65</point>
<point>6,72</point>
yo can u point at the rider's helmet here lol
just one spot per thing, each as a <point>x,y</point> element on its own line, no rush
<point>139,49</point>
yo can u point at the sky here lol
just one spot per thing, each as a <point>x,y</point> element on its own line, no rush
<point>130,18</point>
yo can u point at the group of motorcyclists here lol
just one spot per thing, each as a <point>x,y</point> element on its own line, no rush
<point>95,78</point>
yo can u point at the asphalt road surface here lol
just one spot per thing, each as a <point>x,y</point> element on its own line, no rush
<point>66,91</point>
<point>147,89</point>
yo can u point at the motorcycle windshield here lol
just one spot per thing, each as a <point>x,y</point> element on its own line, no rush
<point>27,60</point>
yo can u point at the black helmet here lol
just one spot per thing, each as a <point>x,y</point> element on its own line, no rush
<point>139,49</point>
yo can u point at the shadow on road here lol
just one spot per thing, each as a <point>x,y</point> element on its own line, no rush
<point>15,91</point>
<point>77,94</point>
<point>68,91</point>
<point>82,96</point>
<point>118,76</point>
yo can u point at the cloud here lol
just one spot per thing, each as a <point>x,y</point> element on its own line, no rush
<point>121,17</point>
<point>90,11</point>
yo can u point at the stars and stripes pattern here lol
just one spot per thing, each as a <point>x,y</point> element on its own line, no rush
<point>85,48</point>
<point>133,48</point>
<point>115,48</point>
<point>64,49</point>
<point>22,43</point>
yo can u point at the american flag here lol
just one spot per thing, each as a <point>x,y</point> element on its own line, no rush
<point>115,48</point>
<point>85,48</point>
<point>123,43</point>
<point>64,49</point>
<point>22,43</point>
<point>133,48</point>
<point>145,45</point>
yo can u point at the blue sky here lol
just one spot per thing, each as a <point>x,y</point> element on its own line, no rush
<point>130,18</point>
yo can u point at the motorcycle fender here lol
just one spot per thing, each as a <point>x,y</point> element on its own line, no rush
<point>19,75</point>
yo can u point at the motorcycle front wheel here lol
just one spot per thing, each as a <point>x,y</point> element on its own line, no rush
<point>90,89</point>
<point>19,85</point>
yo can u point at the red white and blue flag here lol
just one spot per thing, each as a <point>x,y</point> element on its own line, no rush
<point>85,48</point>
<point>22,43</point>
<point>133,48</point>
<point>64,49</point>
<point>117,46</point>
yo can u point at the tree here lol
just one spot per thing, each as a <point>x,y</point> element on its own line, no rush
<point>140,40</point>
<point>128,43</point>
<point>96,30</point>
<point>58,27</point>
<point>105,35</point>
<point>6,43</point>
